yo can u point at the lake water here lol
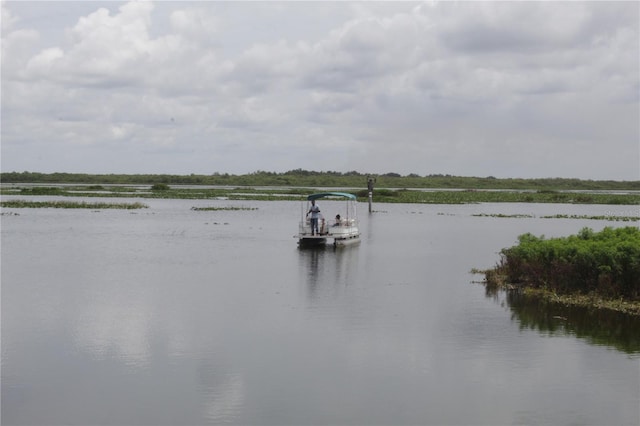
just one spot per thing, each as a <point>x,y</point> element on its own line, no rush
<point>169,316</point>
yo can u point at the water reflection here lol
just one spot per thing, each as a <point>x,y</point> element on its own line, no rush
<point>115,328</point>
<point>599,327</point>
<point>223,392</point>
<point>326,271</point>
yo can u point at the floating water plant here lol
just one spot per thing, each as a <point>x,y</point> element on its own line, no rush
<point>23,204</point>
<point>200,209</point>
<point>500,215</point>
<point>609,217</point>
<point>601,217</point>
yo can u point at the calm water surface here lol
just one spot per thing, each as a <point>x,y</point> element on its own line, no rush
<point>169,316</point>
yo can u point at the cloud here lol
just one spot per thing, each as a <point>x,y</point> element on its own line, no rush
<point>442,87</point>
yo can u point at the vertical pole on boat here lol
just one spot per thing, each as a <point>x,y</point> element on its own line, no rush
<point>370,181</point>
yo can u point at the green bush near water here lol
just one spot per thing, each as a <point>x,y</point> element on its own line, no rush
<point>605,264</point>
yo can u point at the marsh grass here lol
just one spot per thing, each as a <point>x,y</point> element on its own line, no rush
<point>472,196</point>
<point>24,204</point>
<point>380,195</point>
<point>613,218</point>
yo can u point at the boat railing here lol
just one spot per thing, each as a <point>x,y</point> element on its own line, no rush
<point>305,226</point>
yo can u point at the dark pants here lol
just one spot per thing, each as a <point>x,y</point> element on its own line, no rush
<point>314,225</point>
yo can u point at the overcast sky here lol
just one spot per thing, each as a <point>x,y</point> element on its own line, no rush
<point>504,89</point>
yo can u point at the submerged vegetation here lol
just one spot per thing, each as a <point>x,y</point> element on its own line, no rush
<point>597,269</point>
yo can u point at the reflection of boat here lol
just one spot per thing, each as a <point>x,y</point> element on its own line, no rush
<point>343,229</point>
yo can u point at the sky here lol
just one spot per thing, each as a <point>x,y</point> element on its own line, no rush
<point>503,89</point>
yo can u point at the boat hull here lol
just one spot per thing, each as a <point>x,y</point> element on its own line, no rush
<point>311,241</point>
<point>341,242</point>
<point>338,240</point>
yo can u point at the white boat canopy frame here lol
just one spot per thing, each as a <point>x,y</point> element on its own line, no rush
<point>331,194</point>
<point>348,196</point>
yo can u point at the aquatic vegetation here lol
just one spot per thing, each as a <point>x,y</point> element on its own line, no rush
<point>587,268</point>
<point>41,190</point>
<point>484,196</point>
<point>160,187</point>
<point>500,215</point>
<point>23,204</point>
<point>609,217</point>
<point>601,217</point>
<point>228,208</point>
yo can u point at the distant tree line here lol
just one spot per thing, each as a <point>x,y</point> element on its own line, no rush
<point>311,178</point>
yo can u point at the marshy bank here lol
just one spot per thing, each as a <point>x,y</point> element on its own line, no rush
<point>591,269</point>
<point>294,193</point>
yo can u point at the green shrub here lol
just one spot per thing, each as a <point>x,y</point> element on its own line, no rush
<point>160,187</point>
<point>606,262</point>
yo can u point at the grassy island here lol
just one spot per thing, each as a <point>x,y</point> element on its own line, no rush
<point>595,269</point>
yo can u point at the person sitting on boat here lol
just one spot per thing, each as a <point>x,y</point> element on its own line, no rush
<point>337,220</point>
<point>315,215</point>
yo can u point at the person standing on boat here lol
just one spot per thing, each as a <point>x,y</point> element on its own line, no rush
<point>315,215</point>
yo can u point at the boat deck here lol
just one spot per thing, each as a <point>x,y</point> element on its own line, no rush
<point>319,239</point>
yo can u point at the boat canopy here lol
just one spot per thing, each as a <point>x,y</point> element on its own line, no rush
<point>331,194</point>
